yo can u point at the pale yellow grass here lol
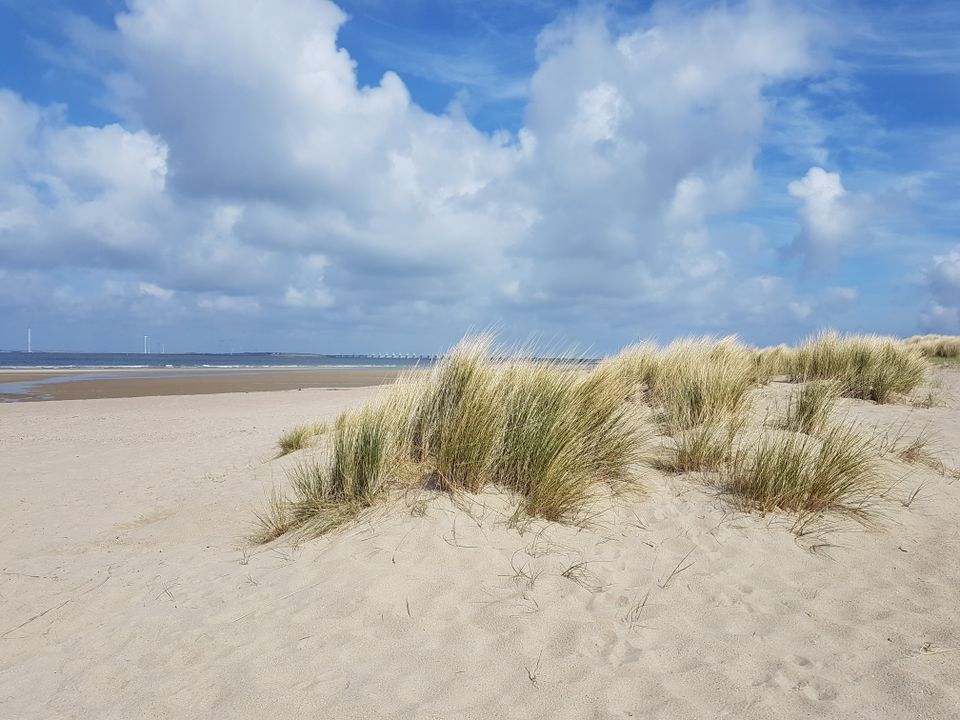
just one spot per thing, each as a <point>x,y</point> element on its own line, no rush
<point>558,435</point>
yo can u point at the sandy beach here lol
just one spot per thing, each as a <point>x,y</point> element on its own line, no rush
<point>430,360</point>
<point>128,589</point>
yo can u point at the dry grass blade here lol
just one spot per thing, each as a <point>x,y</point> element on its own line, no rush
<point>680,567</point>
<point>523,574</point>
<point>580,573</point>
<point>911,448</point>
<point>632,618</point>
<point>533,673</point>
<point>913,496</point>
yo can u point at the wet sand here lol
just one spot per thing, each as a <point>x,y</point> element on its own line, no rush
<point>34,385</point>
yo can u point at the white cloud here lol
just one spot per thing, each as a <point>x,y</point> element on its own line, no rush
<point>599,113</point>
<point>155,291</point>
<point>76,195</point>
<point>640,140</point>
<point>830,217</point>
<point>942,280</point>
<point>251,171</point>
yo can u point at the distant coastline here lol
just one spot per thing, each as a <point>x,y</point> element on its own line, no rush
<point>19,360</point>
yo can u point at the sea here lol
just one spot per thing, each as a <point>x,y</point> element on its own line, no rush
<point>106,361</point>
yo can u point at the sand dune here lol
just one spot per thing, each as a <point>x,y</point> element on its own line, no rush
<point>127,589</point>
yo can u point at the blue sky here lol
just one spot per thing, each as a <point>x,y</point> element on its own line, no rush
<point>386,176</point>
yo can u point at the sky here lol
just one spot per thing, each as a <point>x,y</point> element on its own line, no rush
<point>390,175</point>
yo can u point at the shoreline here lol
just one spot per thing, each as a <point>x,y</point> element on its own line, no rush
<point>28,385</point>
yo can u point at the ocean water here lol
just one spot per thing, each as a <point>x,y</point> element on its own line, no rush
<point>62,361</point>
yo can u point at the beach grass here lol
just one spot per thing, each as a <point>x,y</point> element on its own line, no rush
<point>936,346</point>
<point>300,437</point>
<point>559,434</point>
<point>868,367</point>
<point>810,405</point>
<point>633,368</point>
<point>564,436</point>
<point>699,391</point>
<point>703,382</point>
<point>704,447</point>
<point>335,486</point>
<point>547,431</point>
<point>455,417</point>
<point>911,446</point>
<point>773,362</point>
<point>806,475</point>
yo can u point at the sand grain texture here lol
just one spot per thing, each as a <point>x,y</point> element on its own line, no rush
<point>127,590</point>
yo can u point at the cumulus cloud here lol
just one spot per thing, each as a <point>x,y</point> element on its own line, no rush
<point>829,214</point>
<point>75,195</point>
<point>638,140</point>
<point>250,171</point>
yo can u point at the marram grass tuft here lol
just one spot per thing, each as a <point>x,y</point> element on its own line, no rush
<point>868,367</point>
<point>548,431</point>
